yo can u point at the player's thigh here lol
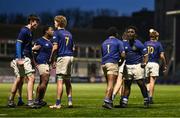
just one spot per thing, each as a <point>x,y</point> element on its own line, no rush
<point>64,65</point>
<point>43,69</point>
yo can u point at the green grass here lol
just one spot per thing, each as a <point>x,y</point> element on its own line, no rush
<point>88,99</point>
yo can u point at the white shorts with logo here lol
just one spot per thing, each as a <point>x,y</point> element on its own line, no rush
<point>135,72</point>
<point>64,65</point>
<point>43,69</point>
<point>110,68</point>
<point>152,69</point>
<point>23,70</point>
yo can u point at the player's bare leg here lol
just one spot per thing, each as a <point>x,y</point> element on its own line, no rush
<point>67,82</point>
<point>151,88</point>
<point>59,92</point>
<point>41,89</point>
<point>13,92</point>
<point>109,90</point>
<point>118,85</point>
<point>144,91</point>
<point>30,87</point>
<point>20,101</point>
<point>126,93</point>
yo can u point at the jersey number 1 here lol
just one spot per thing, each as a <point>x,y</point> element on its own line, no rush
<point>108,48</point>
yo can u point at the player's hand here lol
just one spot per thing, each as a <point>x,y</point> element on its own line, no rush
<point>164,69</point>
<point>143,65</point>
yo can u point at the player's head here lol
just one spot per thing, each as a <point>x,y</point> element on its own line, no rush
<point>48,31</point>
<point>113,31</point>
<point>33,20</point>
<point>60,21</point>
<point>131,32</point>
<point>153,34</point>
<point>124,35</point>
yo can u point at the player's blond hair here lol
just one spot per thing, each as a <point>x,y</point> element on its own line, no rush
<point>61,20</point>
<point>154,34</point>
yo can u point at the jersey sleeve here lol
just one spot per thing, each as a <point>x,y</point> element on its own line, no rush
<point>121,47</point>
<point>22,36</point>
<point>37,42</point>
<point>20,40</point>
<point>142,48</point>
<point>55,38</point>
<point>160,48</point>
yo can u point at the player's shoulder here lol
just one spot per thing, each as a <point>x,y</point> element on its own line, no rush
<point>24,30</point>
<point>119,41</point>
<point>138,42</point>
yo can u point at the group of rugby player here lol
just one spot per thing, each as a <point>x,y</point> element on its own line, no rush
<point>54,49</point>
<point>122,62</point>
<point>128,60</point>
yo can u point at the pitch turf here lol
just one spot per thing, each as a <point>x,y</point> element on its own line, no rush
<point>88,99</point>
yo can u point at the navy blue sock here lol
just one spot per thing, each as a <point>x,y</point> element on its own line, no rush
<point>70,99</point>
<point>58,102</point>
<point>20,99</point>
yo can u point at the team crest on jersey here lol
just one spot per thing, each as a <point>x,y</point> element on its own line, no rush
<point>126,48</point>
<point>134,47</point>
<point>46,44</point>
<point>54,37</point>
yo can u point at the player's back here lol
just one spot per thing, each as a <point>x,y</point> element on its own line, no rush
<point>154,49</point>
<point>111,49</point>
<point>65,42</point>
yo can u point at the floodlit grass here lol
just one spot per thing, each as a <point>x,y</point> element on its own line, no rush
<point>88,99</point>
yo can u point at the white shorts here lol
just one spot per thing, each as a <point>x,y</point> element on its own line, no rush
<point>152,69</point>
<point>110,68</point>
<point>43,69</point>
<point>24,70</point>
<point>121,68</point>
<point>135,72</point>
<point>64,65</point>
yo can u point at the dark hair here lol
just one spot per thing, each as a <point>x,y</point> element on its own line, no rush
<point>33,17</point>
<point>113,31</point>
<point>45,28</point>
<point>132,27</point>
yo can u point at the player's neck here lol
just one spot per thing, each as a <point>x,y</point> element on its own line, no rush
<point>46,37</point>
<point>28,26</point>
<point>111,37</point>
<point>60,28</point>
<point>153,40</point>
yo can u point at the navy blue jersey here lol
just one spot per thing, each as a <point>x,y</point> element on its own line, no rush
<point>134,53</point>
<point>44,52</point>
<point>154,50</point>
<point>65,43</point>
<point>111,50</point>
<point>24,43</point>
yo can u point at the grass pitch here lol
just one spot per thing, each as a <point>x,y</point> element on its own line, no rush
<point>88,99</point>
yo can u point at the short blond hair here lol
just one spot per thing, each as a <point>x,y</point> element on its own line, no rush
<point>61,20</point>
